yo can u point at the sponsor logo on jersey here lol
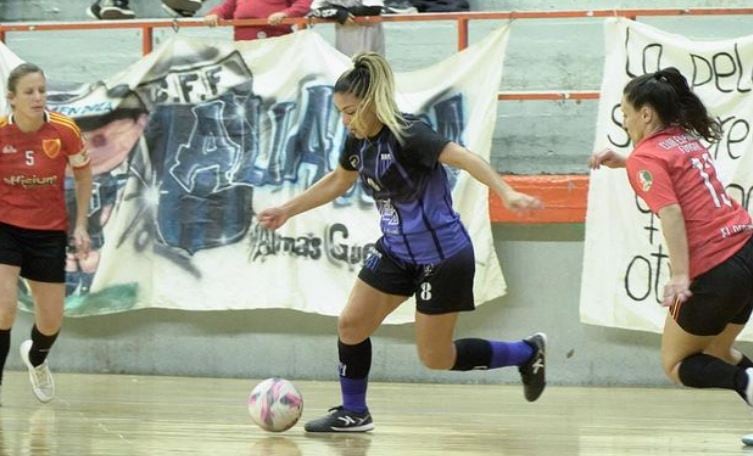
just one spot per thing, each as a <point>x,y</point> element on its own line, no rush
<point>646,179</point>
<point>8,149</point>
<point>354,161</point>
<point>30,181</point>
<point>51,147</point>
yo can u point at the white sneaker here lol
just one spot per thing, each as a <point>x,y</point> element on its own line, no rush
<point>40,376</point>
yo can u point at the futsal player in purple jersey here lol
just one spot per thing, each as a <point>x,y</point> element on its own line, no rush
<point>424,250</point>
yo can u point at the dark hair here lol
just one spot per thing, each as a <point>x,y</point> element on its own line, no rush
<point>371,80</point>
<point>19,72</point>
<point>667,91</point>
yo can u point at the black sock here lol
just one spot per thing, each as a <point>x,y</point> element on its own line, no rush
<point>706,371</point>
<point>745,362</point>
<point>472,354</point>
<point>40,346</point>
<point>355,360</point>
<point>355,363</point>
<point>4,349</point>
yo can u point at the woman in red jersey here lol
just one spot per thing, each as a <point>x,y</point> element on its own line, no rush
<point>274,11</point>
<point>708,234</point>
<point>36,146</point>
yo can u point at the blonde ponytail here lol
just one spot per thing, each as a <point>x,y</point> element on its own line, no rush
<point>371,80</point>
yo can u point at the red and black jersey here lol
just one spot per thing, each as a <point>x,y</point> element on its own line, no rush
<point>32,171</point>
<point>673,167</point>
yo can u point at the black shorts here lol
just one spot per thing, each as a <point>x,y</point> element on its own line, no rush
<point>39,253</point>
<point>722,295</point>
<point>440,288</point>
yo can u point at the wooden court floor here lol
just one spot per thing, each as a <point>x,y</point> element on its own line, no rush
<point>131,415</point>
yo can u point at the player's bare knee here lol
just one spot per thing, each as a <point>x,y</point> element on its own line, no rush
<point>350,330</point>
<point>49,328</point>
<point>49,323</point>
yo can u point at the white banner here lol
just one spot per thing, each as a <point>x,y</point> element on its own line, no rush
<point>197,137</point>
<point>8,61</point>
<point>625,263</point>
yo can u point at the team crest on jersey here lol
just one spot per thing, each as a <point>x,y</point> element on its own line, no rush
<point>51,147</point>
<point>8,149</point>
<point>646,179</point>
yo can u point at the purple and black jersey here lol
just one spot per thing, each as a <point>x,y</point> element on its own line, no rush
<point>411,191</point>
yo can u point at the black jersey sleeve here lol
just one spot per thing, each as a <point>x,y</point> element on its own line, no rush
<point>349,157</point>
<point>422,145</point>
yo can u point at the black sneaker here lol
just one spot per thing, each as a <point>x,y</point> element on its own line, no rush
<point>181,8</point>
<point>340,420</point>
<point>533,373</point>
<point>110,10</point>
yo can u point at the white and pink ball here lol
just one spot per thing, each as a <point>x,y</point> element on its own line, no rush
<point>275,404</point>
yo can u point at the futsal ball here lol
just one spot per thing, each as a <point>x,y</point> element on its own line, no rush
<point>275,404</point>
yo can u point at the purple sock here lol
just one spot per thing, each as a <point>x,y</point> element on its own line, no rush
<point>509,353</point>
<point>354,393</point>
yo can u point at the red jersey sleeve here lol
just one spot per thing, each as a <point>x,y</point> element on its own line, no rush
<point>72,142</point>
<point>650,180</point>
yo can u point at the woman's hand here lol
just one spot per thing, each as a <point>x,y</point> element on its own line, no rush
<point>606,157</point>
<point>212,20</point>
<point>273,218</point>
<point>276,18</point>
<point>81,241</point>
<point>521,203</point>
<point>677,290</point>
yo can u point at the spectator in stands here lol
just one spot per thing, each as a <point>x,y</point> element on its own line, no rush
<point>120,9</point>
<point>275,11</point>
<point>352,38</point>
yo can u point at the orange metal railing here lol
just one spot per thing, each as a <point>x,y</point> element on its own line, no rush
<point>564,195</point>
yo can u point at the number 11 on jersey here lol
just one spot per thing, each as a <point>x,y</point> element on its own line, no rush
<point>702,165</point>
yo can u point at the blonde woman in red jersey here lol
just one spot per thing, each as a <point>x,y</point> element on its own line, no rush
<point>708,234</point>
<point>36,146</point>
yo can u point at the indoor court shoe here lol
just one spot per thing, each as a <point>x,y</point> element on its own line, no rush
<point>340,420</point>
<point>533,373</point>
<point>181,8</point>
<point>110,10</point>
<point>40,376</point>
